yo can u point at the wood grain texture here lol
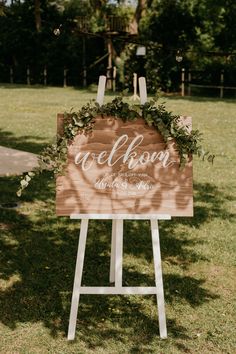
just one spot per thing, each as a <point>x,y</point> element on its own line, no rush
<point>148,188</point>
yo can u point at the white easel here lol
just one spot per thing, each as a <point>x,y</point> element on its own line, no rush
<point>116,251</point>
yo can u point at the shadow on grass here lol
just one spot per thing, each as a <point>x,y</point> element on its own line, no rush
<point>23,143</point>
<point>38,253</point>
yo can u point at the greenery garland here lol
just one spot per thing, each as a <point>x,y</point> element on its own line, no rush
<point>54,156</point>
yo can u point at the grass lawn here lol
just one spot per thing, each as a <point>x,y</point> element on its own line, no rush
<point>38,250</point>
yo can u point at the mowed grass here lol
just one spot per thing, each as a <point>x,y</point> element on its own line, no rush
<point>38,249</point>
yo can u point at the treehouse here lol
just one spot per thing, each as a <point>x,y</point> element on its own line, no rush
<point>111,27</point>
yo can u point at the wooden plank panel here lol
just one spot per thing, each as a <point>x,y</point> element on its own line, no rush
<point>124,168</point>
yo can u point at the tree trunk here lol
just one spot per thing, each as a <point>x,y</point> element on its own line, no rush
<point>140,10</point>
<point>37,15</point>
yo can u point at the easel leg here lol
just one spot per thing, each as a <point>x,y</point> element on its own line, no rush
<point>118,253</point>
<point>158,278</point>
<point>113,252</point>
<point>77,279</point>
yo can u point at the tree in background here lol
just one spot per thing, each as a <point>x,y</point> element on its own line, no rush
<point>47,31</point>
<point>214,48</point>
<point>2,7</point>
<point>165,27</point>
<point>60,34</point>
<point>195,27</point>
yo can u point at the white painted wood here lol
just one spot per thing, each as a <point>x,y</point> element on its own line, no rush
<point>135,82</point>
<point>158,279</point>
<point>118,252</point>
<point>101,89</point>
<point>113,290</point>
<point>122,216</point>
<point>141,50</point>
<point>77,279</point>
<point>142,90</point>
<point>113,254</point>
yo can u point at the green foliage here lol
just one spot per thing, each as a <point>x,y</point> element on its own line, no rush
<point>195,27</point>
<point>45,49</point>
<point>170,23</point>
<point>54,156</point>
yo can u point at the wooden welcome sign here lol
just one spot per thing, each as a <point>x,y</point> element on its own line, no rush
<point>124,168</point>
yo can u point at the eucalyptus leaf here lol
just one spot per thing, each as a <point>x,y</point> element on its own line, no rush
<point>23,183</point>
<point>27,178</point>
<point>18,193</point>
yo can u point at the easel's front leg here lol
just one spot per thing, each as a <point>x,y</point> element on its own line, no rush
<point>118,253</point>
<point>158,279</point>
<point>77,279</point>
<point>113,252</point>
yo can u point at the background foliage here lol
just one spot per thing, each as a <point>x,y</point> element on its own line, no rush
<point>204,30</point>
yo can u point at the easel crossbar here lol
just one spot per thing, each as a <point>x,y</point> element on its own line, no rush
<point>113,290</point>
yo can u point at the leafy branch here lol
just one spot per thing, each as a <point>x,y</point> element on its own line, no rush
<point>54,156</point>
